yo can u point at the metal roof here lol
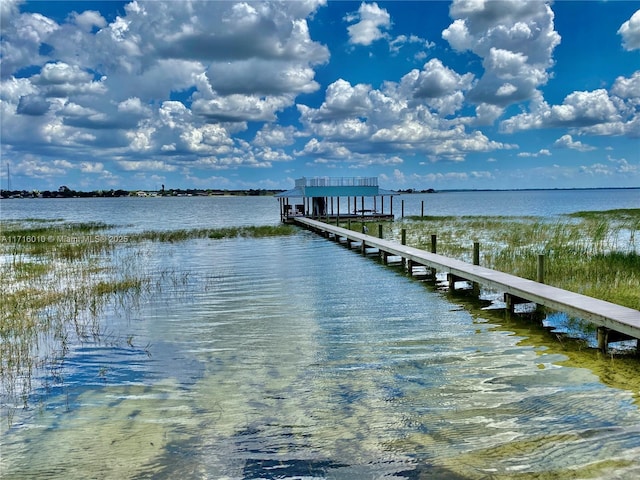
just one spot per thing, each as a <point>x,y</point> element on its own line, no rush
<point>296,192</point>
<point>336,187</point>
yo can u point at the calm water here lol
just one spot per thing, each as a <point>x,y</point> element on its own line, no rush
<point>162,213</point>
<point>296,358</point>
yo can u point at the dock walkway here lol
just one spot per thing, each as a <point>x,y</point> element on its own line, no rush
<point>607,315</point>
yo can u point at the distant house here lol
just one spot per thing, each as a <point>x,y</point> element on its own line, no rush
<point>141,194</point>
<point>320,197</point>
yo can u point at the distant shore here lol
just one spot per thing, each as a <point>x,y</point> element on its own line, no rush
<point>68,193</point>
<point>65,192</point>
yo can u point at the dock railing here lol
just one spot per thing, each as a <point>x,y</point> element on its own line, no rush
<point>337,182</point>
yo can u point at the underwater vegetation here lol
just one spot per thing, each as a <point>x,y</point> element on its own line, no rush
<point>56,279</point>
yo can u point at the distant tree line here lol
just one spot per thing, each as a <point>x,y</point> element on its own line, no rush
<point>66,192</point>
<point>415,190</point>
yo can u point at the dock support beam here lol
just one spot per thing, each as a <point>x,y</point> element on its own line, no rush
<point>602,334</point>
<point>511,301</point>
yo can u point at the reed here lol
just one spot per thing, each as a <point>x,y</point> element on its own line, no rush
<point>213,233</point>
<point>593,253</point>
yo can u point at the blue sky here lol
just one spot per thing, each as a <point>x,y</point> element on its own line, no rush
<point>446,95</point>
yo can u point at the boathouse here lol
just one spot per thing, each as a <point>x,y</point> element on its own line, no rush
<point>336,198</point>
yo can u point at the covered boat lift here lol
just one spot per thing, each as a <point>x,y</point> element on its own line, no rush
<point>336,198</point>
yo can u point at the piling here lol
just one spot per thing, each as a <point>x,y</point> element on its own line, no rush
<point>476,261</point>
<point>540,276</point>
<point>434,242</point>
<point>403,241</point>
<point>602,334</point>
<point>365,230</point>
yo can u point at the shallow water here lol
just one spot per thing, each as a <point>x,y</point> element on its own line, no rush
<point>295,358</point>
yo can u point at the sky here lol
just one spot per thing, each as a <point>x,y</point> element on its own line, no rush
<point>469,94</point>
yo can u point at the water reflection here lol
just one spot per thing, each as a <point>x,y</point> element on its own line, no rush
<point>294,358</point>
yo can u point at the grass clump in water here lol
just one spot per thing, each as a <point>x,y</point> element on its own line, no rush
<point>214,233</point>
<point>56,278</point>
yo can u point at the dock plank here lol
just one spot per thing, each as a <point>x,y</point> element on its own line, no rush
<point>599,312</point>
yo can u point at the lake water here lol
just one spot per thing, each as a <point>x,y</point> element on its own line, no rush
<point>293,357</point>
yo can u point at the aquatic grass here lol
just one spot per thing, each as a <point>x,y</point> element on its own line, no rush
<point>53,277</point>
<point>593,253</point>
<point>214,233</point>
<point>67,241</point>
<point>24,270</point>
<point>57,278</point>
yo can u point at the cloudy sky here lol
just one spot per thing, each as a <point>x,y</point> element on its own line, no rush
<point>220,94</point>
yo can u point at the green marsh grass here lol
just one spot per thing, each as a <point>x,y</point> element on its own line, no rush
<point>213,233</point>
<point>593,253</point>
<point>57,277</point>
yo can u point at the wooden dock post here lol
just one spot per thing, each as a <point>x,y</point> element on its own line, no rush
<point>476,261</point>
<point>403,240</point>
<point>434,241</point>
<point>602,334</point>
<point>422,209</point>
<point>381,252</point>
<point>401,209</point>
<point>365,230</point>
<point>540,276</point>
<point>509,304</point>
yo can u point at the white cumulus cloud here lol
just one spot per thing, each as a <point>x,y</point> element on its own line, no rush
<point>566,141</point>
<point>514,38</point>
<point>371,21</point>
<point>630,32</point>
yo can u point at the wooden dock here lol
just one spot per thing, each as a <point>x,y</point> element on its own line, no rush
<point>614,321</point>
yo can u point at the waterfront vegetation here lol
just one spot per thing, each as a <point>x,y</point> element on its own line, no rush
<point>57,277</point>
<point>592,253</point>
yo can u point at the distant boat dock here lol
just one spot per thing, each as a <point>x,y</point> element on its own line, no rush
<point>614,322</point>
<point>319,197</point>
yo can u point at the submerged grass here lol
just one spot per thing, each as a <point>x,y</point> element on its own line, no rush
<point>57,277</point>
